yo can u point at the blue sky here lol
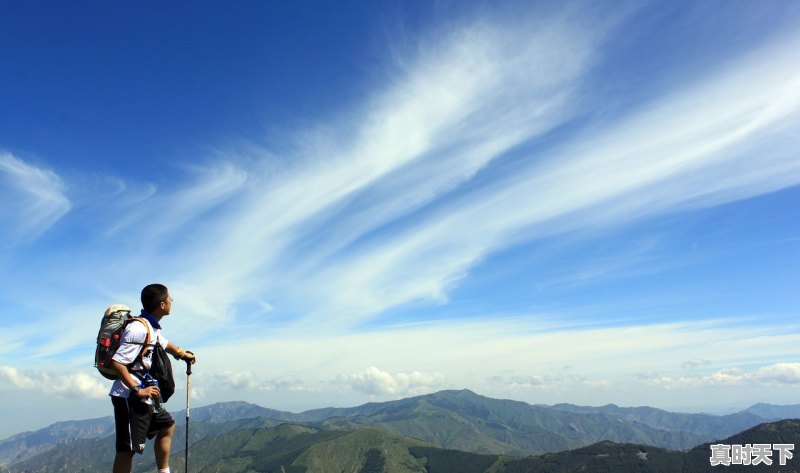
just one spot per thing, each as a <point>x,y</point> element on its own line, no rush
<point>551,202</point>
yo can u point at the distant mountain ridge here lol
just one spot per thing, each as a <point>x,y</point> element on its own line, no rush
<point>771,411</point>
<point>294,448</point>
<point>463,420</point>
<point>705,425</point>
<point>27,444</point>
<point>460,420</point>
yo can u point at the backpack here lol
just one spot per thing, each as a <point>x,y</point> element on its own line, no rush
<point>161,370</point>
<point>114,320</point>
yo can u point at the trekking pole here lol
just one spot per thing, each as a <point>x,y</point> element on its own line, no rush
<point>186,451</point>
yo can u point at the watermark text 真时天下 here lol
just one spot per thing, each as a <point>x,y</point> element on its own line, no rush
<point>750,454</point>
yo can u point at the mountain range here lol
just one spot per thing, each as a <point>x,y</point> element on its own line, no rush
<point>448,426</point>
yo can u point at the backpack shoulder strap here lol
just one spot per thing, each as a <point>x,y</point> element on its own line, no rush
<point>146,327</point>
<point>147,339</point>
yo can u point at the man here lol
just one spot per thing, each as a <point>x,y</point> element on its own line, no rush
<point>135,417</point>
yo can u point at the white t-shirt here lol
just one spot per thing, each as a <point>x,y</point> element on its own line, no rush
<point>131,343</point>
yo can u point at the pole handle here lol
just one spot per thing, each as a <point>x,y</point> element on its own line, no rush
<point>189,366</point>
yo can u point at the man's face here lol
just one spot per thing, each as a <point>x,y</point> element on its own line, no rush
<point>166,305</point>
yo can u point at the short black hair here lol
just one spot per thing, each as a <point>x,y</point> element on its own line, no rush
<point>153,295</point>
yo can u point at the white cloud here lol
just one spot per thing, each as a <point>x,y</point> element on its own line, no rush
<point>62,385</point>
<point>509,382</point>
<point>290,384</point>
<point>597,384</point>
<point>522,383</point>
<point>32,199</point>
<point>13,376</point>
<point>373,381</point>
<point>80,383</point>
<point>249,381</point>
<point>770,375</point>
<point>240,380</point>
<point>780,373</point>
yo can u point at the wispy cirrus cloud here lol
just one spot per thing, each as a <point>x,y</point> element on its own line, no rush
<point>465,104</point>
<point>436,171</point>
<point>172,209</point>
<point>460,104</point>
<point>697,146</point>
<point>32,199</point>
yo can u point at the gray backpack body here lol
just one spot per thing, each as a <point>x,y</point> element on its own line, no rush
<point>114,320</point>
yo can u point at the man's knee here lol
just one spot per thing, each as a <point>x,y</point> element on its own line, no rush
<point>123,462</point>
<point>166,432</point>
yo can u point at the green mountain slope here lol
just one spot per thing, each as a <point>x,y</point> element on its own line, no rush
<point>463,420</point>
<point>290,448</point>
<point>625,458</point>
<point>362,450</point>
<point>782,432</point>
<point>293,448</point>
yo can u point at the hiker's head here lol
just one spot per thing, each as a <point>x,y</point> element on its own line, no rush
<point>156,299</point>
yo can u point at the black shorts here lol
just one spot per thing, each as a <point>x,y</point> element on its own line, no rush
<point>135,423</point>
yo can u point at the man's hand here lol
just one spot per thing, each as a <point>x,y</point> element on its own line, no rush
<point>150,392</point>
<point>179,353</point>
<point>189,356</point>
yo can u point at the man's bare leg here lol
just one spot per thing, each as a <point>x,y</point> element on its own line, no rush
<point>163,445</point>
<point>123,462</point>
